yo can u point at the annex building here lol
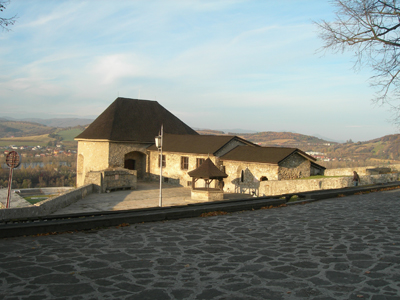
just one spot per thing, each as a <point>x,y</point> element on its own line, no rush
<point>122,138</point>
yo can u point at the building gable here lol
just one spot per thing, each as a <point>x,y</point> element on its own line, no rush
<point>215,145</point>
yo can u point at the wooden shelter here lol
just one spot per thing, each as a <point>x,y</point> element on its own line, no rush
<point>208,171</point>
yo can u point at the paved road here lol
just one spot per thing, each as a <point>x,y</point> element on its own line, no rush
<point>343,248</point>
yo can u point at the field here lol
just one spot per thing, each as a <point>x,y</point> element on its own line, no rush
<point>34,140</point>
<point>69,134</point>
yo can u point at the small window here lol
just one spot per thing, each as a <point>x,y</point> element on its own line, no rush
<point>164,162</point>
<point>189,183</point>
<point>199,162</point>
<point>184,162</point>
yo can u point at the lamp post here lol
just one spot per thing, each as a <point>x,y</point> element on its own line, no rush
<point>159,144</point>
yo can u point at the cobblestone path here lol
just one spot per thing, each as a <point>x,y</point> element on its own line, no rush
<point>343,248</point>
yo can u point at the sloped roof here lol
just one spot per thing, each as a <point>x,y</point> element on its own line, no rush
<point>199,144</point>
<point>134,120</point>
<point>270,155</point>
<point>207,170</point>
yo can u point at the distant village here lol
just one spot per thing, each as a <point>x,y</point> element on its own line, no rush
<point>37,151</point>
<point>320,156</point>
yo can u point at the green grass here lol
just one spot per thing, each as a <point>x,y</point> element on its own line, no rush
<point>37,198</point>
<point>22,143</point>
<point>34,140</point>
<point>320,177</point>
<point>70,134</point>
<point>378,147</point>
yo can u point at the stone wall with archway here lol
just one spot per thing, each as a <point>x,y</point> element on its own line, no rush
<point>136,161</point>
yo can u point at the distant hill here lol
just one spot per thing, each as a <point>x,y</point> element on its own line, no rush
<point>283,139</point>
<point>210,132</point>
<point>54,122</point>
<point>236,131</point>
<point>21,128</point>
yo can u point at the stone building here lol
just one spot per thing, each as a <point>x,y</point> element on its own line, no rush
<point>120,136</point>
<point>184,153</point>
<point>248,166</point>
<point>123,137</point>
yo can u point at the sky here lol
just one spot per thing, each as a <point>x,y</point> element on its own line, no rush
<point>237,64</point>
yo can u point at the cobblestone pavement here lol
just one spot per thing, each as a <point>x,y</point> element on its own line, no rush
<point>343,248</point>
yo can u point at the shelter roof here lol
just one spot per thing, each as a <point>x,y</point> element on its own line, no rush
<point>134,120</point>
<point>270,155</point>
<point>199,144</point>
<point>207,170</point>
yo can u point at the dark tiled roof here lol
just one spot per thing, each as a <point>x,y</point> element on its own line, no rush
<point>134,120</point>
<point>270,155</point>
<point>199,144</point>
<point>207,170</point>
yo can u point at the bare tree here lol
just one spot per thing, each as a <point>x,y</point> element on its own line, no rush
<point>370,28</point>
<point>5,22</point>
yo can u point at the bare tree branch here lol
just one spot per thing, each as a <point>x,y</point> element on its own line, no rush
<point>6,22</point>
<point>371,29</point>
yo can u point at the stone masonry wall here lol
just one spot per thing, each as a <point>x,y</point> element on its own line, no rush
<point>91,156</point>
<point>112,179</point>
<point>252,173</point>
<point>172,172</point>
<point>279,187</point>
<point>121,151</point>
<point>359,170</point>
<point>293,167</point>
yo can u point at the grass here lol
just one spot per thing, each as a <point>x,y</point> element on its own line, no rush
<point>37,198</point>
<point>70,134</point>
<point>33,140</point>
<point>320,177</point>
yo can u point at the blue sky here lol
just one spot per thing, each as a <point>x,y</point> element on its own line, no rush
<point>215,64</point>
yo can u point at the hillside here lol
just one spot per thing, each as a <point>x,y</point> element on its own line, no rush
<point>283,139</point>
<point>386,148</point>
<point>54,122</point>
<point>20,129</point>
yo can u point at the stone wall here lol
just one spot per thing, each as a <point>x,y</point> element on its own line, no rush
<point>252,173</point>
<point>100,155</point>
<point>119,152</point>
<point>92,156</point>
<point>112,179</point>
<point>172,172</point>
<point>48,206</point>
<point>293,167</point>
<point>278,187</point>
<point>359,170</point>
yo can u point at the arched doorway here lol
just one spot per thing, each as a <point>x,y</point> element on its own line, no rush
<point>136,161</point>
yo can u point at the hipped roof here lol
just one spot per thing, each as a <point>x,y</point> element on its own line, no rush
<point>199,144</point>
<point>207,170</point>
<point>134,120</point>
<point>270,155</point>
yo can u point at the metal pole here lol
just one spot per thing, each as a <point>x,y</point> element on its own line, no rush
<point>9,187</point>
<point>161,165</point>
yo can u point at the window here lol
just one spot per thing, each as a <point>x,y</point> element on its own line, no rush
<point>184,162</point>
<point>199,162</point>
<point>164,161</point>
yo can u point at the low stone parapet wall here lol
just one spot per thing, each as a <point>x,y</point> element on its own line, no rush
<point>111,179</point>
<point>279,187</point>
<point>359,170</point>
<point>48,206</point>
